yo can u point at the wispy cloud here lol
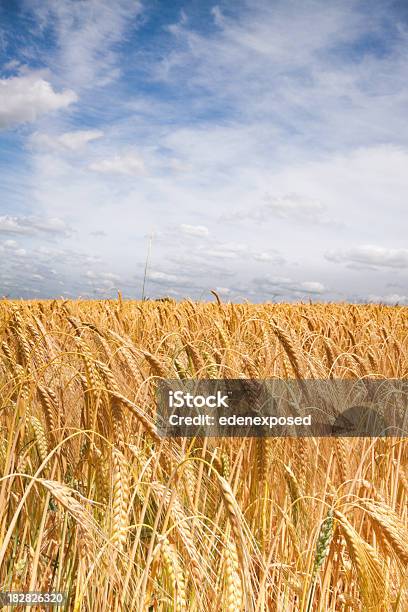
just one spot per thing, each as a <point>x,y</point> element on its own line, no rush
<point>68,141</point>
<point>86,34</point>
<point>130,164</point>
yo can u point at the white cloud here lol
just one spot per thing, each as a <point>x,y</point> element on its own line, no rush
<point>390,299</point>
<point>281,286</point>
<point>232,62</point>
<point>371,256</point>
<point>86,34</point>
<point>311,287</point>
<point>293,206</point>
<point>71,141</point>
<point>26,98</point>
<point>290,207</point>
<point>267,257</point>
<point>263,257</point>
<point>32,225</point>
<point>222,253</point>
<point>161,277</point>
<point>194,230</point>
<point>108,283</point>
<point>241,251</point>
<point>12,248</point>
<point>178,166</point>
<point>105,276</point>
<point>11,66</point>
<point>223,290</point>
<point>130,164</point>
<point>10,244</point>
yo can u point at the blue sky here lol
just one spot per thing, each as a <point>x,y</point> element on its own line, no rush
<point>261,147</point>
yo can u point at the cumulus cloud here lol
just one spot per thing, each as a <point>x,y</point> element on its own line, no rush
<point>27,97</point>
<point>371,256</point>
<point>32,225</point>
<point>70,141</point>
<point>50,268</point>
<point>10,244</point>
<point>129,164</point>
<point>12,248</point>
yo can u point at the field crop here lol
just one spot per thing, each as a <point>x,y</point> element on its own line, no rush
<point>94,503</point>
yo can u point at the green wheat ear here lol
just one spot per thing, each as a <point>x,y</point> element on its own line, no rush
<point>323,542</point>
<point>322,549</point>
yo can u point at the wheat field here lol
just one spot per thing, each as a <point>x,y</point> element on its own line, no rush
<point>95,504</point>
